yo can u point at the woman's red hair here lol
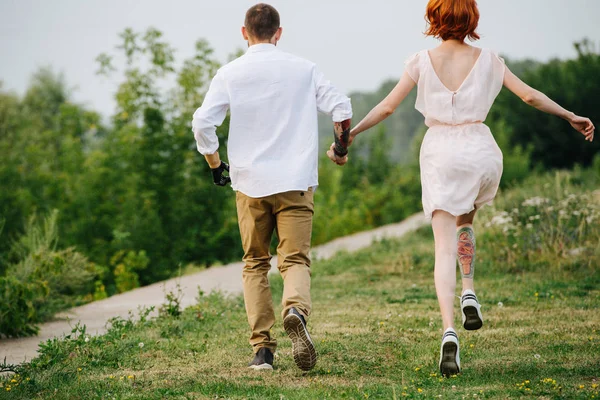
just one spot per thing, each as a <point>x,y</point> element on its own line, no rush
<point>452,19</point>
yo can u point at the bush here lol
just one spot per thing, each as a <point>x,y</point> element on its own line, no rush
<point>43,280</point>
<point>550,222</point>
<point>67,274</point>
<point>125,265</point>
<point>18,313</point>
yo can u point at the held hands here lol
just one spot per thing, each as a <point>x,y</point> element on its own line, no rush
<point>584,126</point>
<point>218,178</point>
<point>338,152</point>
<point>333,157</point>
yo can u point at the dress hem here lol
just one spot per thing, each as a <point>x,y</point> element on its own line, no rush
<point>455,213</point>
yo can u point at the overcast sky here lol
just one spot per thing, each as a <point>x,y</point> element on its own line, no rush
<point>357,43</point>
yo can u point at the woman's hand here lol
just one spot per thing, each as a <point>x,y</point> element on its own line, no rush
<point>338,160</point>
<point>584,126</point>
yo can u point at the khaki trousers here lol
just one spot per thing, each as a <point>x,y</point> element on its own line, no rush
<point>290,215</point>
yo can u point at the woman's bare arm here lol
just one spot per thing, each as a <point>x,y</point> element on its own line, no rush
<point>387,106</point>
<point>380,112</point>
<point>539,100</point>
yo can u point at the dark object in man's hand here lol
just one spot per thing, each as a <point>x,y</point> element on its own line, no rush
<point>341,134</point>
<point>218,178</point>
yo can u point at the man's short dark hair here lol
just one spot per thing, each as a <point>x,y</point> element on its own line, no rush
<point>262,21</point>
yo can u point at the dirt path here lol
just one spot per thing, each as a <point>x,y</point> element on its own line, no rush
<point>227,279</point>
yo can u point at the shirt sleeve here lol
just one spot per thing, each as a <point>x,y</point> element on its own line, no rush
<point>412,66</point>
<point>329,100</point>
<point>210,115</point>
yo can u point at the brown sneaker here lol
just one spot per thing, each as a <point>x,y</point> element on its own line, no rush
<point>303,347</point>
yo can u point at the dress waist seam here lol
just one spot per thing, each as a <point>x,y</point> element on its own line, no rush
<point>457,125</point>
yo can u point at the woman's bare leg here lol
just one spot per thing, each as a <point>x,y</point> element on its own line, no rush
<point>466,249</point>
<point>444,232</point>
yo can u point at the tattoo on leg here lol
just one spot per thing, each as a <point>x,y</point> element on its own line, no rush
<point>466,251</point>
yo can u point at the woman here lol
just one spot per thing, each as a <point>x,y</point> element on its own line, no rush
<point>460,162</point>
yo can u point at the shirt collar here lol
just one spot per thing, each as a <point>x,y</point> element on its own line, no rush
<point>261,47</point>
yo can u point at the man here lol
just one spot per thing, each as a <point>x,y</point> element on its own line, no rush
<point>273,97</point>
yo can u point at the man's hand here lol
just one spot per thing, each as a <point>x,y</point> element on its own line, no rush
<point>218,178</point>
<point>341,134</point>
<point>336,159</point>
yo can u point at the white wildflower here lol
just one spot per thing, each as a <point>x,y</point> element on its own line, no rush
<point>529,226</point>
<point>535,201</point>
<point>87,339</point>
<point>577,251</point>
<point>577,213</point>
<point>500,304</point>
<point>537,356</point>
<point>501,219</point>
<point>141,344</point>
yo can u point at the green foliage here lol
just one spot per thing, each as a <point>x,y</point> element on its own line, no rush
<point>126,267</point>
<point>43,280</point>
<point>172,306</point>
<point>152,187</point>
<point>550,223</point>
<point>99,291</point>
<point>18,312</point>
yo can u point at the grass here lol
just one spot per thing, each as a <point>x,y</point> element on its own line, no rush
<point>376,323</point>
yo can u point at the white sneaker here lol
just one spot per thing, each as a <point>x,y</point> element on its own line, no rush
<point>471,311</point>
<point>449,354</point>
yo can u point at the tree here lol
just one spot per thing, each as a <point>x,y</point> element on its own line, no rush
<point>167,205</point>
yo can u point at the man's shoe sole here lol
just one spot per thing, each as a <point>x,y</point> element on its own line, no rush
<point>262,367</point>
<point>448,365</point>
<point>303,348</point>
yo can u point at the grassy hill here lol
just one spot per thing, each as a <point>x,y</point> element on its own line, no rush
<point>376,322</point>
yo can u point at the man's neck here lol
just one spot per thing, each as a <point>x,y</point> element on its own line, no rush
<point>255,43</point>
<point>252,42</point>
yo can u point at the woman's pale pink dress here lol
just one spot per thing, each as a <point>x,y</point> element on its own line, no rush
<point>461,164</point>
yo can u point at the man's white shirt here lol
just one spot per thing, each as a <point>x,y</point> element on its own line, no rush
<point>273,139</point>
